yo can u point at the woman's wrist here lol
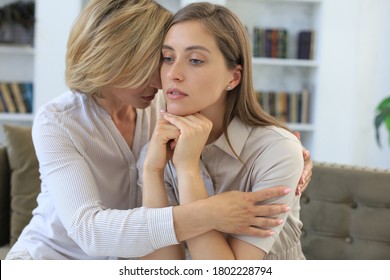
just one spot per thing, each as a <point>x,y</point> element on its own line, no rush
<point>187,225</point>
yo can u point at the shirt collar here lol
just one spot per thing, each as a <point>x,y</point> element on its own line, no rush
<point>238,133</point>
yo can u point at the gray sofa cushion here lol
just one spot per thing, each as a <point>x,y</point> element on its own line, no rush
<point>25,182</point>
<point>345,212</point>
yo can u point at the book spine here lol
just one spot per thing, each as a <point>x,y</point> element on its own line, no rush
<point>18,97</point>
<point>6,93</point>
<point>268,43</point>
<point>282,43</point>
<point>28,95</point>
<point>304,44</point>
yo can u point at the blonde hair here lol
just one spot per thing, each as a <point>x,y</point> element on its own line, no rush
<point>232,39</point>
<point>115,43</point>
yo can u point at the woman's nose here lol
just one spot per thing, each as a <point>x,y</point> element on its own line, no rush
<point>175,72</point>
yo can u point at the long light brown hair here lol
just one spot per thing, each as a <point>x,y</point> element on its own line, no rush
<point>232,39</point>
<point>115,43</point>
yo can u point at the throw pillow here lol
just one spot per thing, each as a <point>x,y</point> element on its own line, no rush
<point>25,182</point>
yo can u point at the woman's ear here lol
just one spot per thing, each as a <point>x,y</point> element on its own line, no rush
<point>237,72</point>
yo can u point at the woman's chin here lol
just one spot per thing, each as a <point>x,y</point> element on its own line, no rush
<point>179,111</point>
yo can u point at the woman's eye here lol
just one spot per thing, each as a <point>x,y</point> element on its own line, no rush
<point>196,61</point>
<point>167,59</point>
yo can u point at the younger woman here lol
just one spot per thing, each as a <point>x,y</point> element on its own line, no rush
<point>218,137</point>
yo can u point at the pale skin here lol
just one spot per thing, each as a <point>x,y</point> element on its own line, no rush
<point>195,80</point>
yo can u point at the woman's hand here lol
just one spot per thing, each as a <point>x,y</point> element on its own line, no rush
<point>194,132</point>
<point>307,169</point>
<point>306,174</point>
<point>231,212</point>
<point>160,146</point>
<point>238,212</point>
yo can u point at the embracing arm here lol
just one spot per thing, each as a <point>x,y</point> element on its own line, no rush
<point>71,175</point>
<point>305,178</point>
<point>232,212</point>
<point>153,188</point>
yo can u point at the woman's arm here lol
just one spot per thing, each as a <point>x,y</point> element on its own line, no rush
<point>72,176</point>
<point>194,132</point>
<point>191,188</point>
<point>153,189</point>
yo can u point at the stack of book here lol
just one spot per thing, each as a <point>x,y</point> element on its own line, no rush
<point>16,97</point>
<point>289,107</point>
<point>273,43</point>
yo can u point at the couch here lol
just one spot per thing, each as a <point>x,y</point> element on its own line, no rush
<point>345,210</point>
<point>19,184</point>
<point>346,213</point>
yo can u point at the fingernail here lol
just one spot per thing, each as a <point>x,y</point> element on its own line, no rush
<point>280,221</point>
<point>271,233</point>
<point>288,209</point>
<point>287,190</point>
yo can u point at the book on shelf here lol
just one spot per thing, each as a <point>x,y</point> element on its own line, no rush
<point>281,109</point>
<point>305,44</point>
<point>2,107</point>
<point>282,43</point>
<point>293,108</point>
<point>7,97</point>
<point>289,107</point>
<point>304,112</point>
<point>269,42</point>
<point>16,97</point>
<point>28,95</point>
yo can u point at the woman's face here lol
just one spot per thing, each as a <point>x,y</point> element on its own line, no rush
<point>139,98</point>
<point>194,74</point>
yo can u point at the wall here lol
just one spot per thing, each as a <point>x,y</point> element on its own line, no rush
<point>54,21</point>
<point>353,77</point>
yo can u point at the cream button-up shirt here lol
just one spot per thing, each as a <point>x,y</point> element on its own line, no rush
<point>268,156</point>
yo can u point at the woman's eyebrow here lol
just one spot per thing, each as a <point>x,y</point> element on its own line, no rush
<point>190,48</point>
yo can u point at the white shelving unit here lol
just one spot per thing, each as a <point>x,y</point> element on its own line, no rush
<point>16,64</point>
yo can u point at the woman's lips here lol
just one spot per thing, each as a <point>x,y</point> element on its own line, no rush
<point>175,94</point>
<point>149,98</point>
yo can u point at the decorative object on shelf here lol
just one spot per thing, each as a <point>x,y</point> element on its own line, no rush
<point>382,116</point>
<point>17,23</point>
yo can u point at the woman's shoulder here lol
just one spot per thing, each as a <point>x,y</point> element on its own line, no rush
<point>65,101</point>
<point>69,103</point>
<point>272,134</point>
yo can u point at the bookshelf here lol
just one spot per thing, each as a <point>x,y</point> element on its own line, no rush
<point>290,74</point>
<point>16,65</point>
